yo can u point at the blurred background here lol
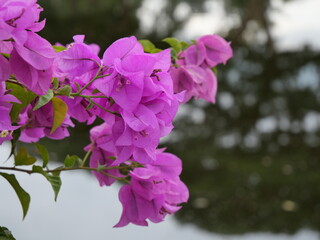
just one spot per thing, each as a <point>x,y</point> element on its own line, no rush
<point>252,160</point>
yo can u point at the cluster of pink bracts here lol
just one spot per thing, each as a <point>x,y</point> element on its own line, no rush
<point>137,94</point>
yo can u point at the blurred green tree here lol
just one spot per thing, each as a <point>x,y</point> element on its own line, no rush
<point>252,160</point>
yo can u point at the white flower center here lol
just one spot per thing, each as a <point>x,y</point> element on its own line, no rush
<point>4,133</point>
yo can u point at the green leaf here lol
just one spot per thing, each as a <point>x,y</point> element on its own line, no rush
<point>90,105</point>
<point>5,234</point>
<point>55,82</point>
<point>65,90</point>
<point>59,48</point>
<point>78,86</point>
<point>147,45</point>
<point>55,182</point>
<point>43,153</point>
<point>23,196</point>
<point>70,161</point>
<point>44,99</point>
<point>101,167</point>
<point>173,53</point>
<point>54,179</point>
<point>215,70</point>
<point>5,55</point>
<point>14,141</point>
<point>60,110</point>
<point>23,95</point>
<point>156,50</point>
<point>174,43</point>
<point>95,91</point>
<point>23,157</point>
<point>184,44</point>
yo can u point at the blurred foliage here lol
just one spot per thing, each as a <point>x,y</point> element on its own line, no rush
<point>101,21</point>
<point>252,160</point>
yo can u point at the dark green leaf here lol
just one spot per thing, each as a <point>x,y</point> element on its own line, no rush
<point>60,110</point>
<point>57,171</point>
<point>174,43</point>
<point>23,196</point>
<point>5,234</point>
<point>44,99</point>
<point>43,153</point>
<point>16,135</point>
<point>23,157</point>
<point>70,160</point>
<point>24,96</point>
<point>54,179</point>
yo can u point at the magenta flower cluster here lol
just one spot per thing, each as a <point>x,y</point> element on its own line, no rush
<point>194,72</point>
<point>136,94</point>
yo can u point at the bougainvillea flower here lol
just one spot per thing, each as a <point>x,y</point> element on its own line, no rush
<point>5,125</point>
<point>101,137</point>
<point>78,59</point>
<point>18,16</point>
<point>5,71</point>
<point>79,108</point>
<point>154,191</point>
<point>128,68</point>
<point>6,129</point>
<point>93,47</point>
<point>208,51</point>
<point>38,81</point>
<point>217,49</point>
<point>139,119</point>
<point>196,81</point>
<point>103,158</point>
<point>125,90</point>
<point>103,153</point>
<point>193,55</point>
<point>6,101</point>
<point>165,112</point>
<point>193,73</point>
<point>120,49</point>
<point>135,209</point>
<point>133,145</point>
<point>126,83</point>
<point>6,47</point>
<point>159,177</point>
<point>37,124</point>
<point>36,51</point>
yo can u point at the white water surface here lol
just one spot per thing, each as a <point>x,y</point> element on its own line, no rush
<point>85,210</point>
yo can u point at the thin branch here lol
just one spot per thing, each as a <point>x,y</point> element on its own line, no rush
<point>87,96</point>
<point>66,169</point>
<point>87,156</point>
<point>103,108</point>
